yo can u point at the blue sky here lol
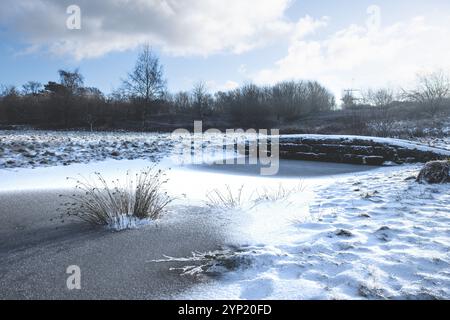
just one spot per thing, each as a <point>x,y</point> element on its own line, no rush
<point>227,43</point>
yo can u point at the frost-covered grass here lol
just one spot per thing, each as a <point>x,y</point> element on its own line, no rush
<point>120,205</point>
<point>226,198</point>
<point>242,198</point>
<point>32,149</point>
<point>277,194</point>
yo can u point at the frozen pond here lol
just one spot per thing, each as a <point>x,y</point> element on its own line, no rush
<point>56,177</point>
<point>335,231</point>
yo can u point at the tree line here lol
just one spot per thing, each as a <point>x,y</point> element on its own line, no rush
<point>143,96</point>
<point>143,102</point>
<point>381,111</point>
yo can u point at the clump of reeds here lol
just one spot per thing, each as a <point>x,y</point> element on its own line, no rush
<point>277,194</point>
<point>228,199</point>
<point>225,199</point>
<point>120,205</point>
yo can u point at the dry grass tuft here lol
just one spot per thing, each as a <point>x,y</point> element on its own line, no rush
<point>277,194</point>
<point>120,205</point>
<point>228,199</point>
<point>225,199</point>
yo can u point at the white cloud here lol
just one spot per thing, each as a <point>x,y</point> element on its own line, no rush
<point>180,27</point>
<point>214,86</point>
<point>230,85</point>
<point>306,26</point>
<point>357,56</point>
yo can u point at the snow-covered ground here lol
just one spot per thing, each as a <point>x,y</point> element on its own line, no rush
<point>372,236</point>
<point>34,149</point>
<point>30,149</point>
<point>443,143</point>
<point>366,235</point>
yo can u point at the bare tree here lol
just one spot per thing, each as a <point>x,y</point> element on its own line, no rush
<point>73,81</point>
<point>31,88</point>
<point>182,101</point>
<point>319,98</point>
<point>92,98</point>
<point>200,99</point>
<point>289,99</point>
<point>251,106</point>
<point>70,88</point>
<point>379,98</point>
<point>146,82</point>
<point>431,91</point>
<point>10,97</point>
<point>8,90</point>
<point>382,118</point>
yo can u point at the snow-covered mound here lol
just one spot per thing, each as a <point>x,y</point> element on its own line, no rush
<point>435,172</point>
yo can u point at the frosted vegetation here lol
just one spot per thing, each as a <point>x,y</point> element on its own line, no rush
<point>32,149</point>
<point>140,199</point>
<point>46,148</point>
